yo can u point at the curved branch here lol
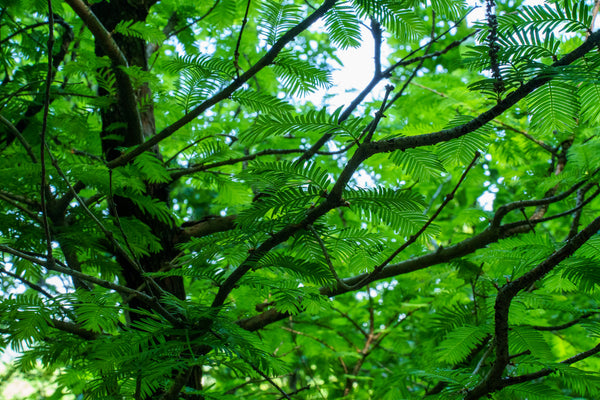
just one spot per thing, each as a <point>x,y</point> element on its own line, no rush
<point>565,325</point>
<point>13,129</point>
<point>127,99</point>
<point>493,380</point>
<point>203,167</point>
<point>150,301</point>
<point>266,60</point>
<point>409,142</point>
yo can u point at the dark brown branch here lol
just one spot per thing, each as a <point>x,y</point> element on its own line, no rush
<point>73,329</point>
<point>547,371</point>
<point>12,129</point>
<point>517,205</point>
<point>27,282</point>
<point>428,139</point>
<point>515,226</point>
<point>447,199</point>
<point>127,99</point>
<point>504,125</point>
<point>31,214</point>
<point>492,381</point>
<point>206,227</point>
<point>266,60</point>
<point>44,193</point>
<point>236,53</point>
<point>203,167</point>
<point>565,325</point>
<point>150,301</point>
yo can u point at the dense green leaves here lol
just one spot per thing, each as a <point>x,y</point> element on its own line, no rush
<point>233,213</point>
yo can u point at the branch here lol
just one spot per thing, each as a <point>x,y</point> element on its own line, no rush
<point>27,282</point>
<point>74,329</point>
<point>236,53</point>
<point>378,76</point>
<point>328,259</point>
<point>266,60</point>
<point>565,325</point>
<point>206,227</point>
<point>414,237</point>
<point>43,185</point>
<point>506,126</point>
<point>517,205</point>
<point>409,142</point>
<point>203,167</point>
<point>12,129</point>
<point>316,339</point>
<point>547,371</point>
<point>150,301</point>
<point>31,214</point>
<point>492,381</point>
<point>127,99</point>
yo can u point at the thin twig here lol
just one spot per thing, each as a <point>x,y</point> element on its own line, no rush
<point>370,277</point>
<point>33,215</point>
<point>13,129</point>
<point>195,21</point>
<point>316,339</point>
<point>379,114</point>
<point>43,188</point>
<point>327,258</point>
<point>194,143</point>
<point>353,322</point>
<point>565,325</point>
<point>577,214</point>
<point>236,53</point>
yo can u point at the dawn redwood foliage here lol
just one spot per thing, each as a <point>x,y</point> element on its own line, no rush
<point>187,214</point>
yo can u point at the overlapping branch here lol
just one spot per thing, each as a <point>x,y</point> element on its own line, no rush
<point>494,232</point>
<point>266,60</point>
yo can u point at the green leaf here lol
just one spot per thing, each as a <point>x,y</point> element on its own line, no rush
<point>459,343</point>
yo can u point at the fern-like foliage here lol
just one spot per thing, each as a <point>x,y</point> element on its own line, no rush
<point>401,209</point>
<point>460,342</point>
<point>272,176</point>
<point>277,19</point>
<point>201,76</point>
<point>419,162</point>
<point>299,76</point>
<point>140,30</point>
<point>398,17</point>
<point>463,149</point>
<point>281,124</point>
<point>303,270</point>
<point>531,390</point>
<point>343,26</point>
<point>262,102</point>
<point>554,106</point>
<point>522,338</point>
<point>563,16</point>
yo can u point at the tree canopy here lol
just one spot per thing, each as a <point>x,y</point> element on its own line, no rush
<point>185,214</point>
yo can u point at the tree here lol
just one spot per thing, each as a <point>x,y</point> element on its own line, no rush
<point>179,221</point>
